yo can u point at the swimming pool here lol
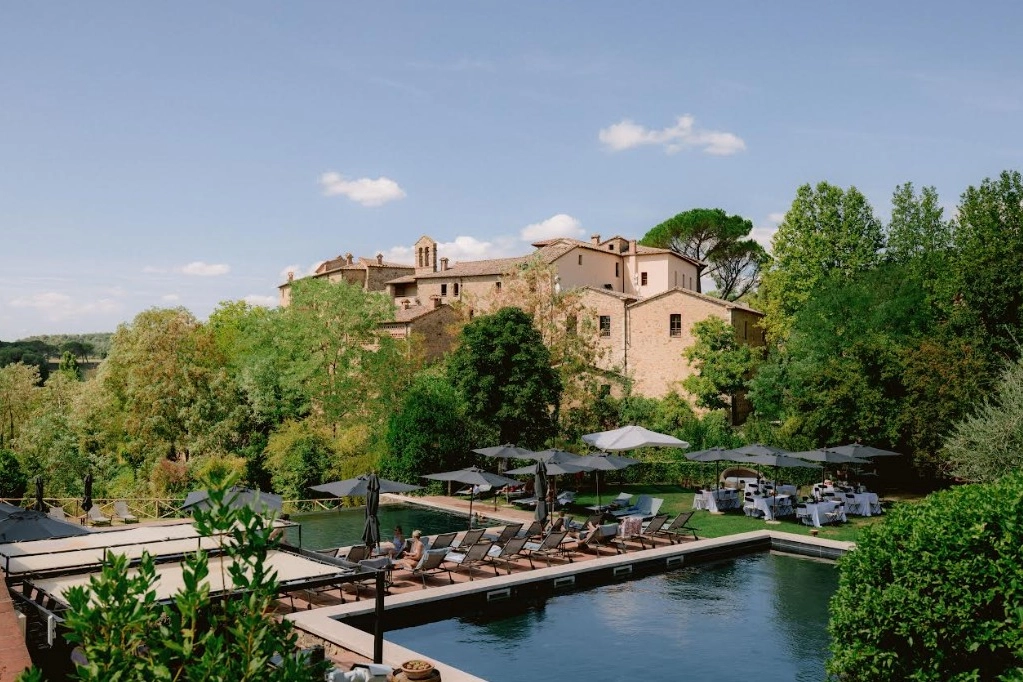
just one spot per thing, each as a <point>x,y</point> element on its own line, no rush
<point>324,529</point>
<point>761,616</point>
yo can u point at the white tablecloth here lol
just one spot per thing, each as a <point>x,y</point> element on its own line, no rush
<point>716,500</point>
<point>818,512</point>
<point>773,506</point>
<point>863,504</point>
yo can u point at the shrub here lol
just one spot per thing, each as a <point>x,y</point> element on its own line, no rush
<point>936,591</point>
<point>13,481</point>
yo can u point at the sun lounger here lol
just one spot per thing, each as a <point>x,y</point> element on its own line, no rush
<point>525,502</point>
<point>97,518</point>
<point>650,531</point>
<point>591,520</point>
<point>513,549</point>
<point>506,534</point>
<point>645,506</point>
<point>432,562</point>
<point>470,538</point>
<point>470,558</point>
<point>605,535</point>
<point>121,511</point>
<point>549,546</point>
<point>623,501</point>
<point>678,527</point>
<point>353,554</point>
<point>535,530</point>
<point>57,512</point>
<point>565,498</point>
<point>443,541</point>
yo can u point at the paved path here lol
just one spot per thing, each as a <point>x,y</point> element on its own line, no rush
<point>13,653</point>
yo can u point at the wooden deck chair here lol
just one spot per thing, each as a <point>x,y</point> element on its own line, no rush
<point>97,518</point>
<point>678,527</point>
<point>650,531</point>
<point>550,545</point>
<point>121,511</point>
<point>474,556</point>
<point>443,541</point>
<point>507,554</point>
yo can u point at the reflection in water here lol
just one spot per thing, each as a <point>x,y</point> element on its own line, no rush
<point>764,613</point>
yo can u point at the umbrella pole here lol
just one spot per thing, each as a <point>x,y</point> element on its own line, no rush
<point>597,472</point>
<point>472,494</point>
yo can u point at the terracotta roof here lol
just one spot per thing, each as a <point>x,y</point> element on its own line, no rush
<point>341,263</point>
<point>499,266</point>
<point>614,294</point>
<point>729,305</point>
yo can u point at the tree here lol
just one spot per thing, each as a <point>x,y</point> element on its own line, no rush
<point>723,366</point>
<point>828,232</point>
<point>17,396</point>
<point>298,455</point>
<point>934,592</point>
<point>428,432</point>
<point>13,481</point>
<point>711,235</point>
<point>989,443</point>
<point>69,366</point>
<point>125,633</point>
<point>503,370</point>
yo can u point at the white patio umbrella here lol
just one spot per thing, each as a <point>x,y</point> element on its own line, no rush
<point>632,437</point>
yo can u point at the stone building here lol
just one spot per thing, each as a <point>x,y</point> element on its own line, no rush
<point>643,299</point>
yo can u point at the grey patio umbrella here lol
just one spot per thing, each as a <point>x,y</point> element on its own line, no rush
<point>602,461</point>
<point>472,476</point>
<point>862,451</point>
<point>87,497</point>
<point>7,509</point>
<point>506,451</point>
<point>826,457</point>
<point>540,485</point>
<point>371,531</point>
<point>39,505</point>
<point>552,469</point>
<point>359,486</point>
<point>236,498</point>
<point>632,437</point>
<point>715,454</point>
<point>27,524</point>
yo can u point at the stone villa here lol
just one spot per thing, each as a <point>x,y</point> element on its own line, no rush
<point>644,299</point>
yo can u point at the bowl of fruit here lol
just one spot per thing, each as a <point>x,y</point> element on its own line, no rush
<point>417,669</point>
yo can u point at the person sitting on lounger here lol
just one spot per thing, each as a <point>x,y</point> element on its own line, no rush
<point>415,552</point>
<point>397,549</point>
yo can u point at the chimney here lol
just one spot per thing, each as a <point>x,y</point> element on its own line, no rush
<point>405,304</point>
<point>380,259</point>
<point>443,264</point>
<point>595,239</point>
<point>632,246</point>
<point>291,276</point>
<point>348,258</point>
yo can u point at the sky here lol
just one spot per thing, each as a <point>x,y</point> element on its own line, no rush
<point>188,153</point>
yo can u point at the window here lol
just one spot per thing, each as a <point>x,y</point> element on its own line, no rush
<point>580,259</point>
<point>605,325</point>
<point>642,279</point>
<point>497,285</point>
<point>675,325</point>
<point>676,279</point>
<point>443,289</point>
<point>616,270</point>
<point>456,288</point>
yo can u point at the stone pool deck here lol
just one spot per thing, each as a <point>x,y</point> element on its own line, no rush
<point>316,614</point>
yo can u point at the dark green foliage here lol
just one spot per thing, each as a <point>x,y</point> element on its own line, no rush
<point>723,366</point>
<point>31,353</point>
<point>709,234</point>
<point>84,346</point>
<point>504,372</point>
<point>13,481</point>
<point>127,635</point>
<point>428,433</point>
<point>936,591</point>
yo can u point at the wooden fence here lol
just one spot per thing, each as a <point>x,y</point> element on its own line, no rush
<point>164,508</point>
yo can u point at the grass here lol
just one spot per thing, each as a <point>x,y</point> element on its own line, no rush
<point>678,499</point>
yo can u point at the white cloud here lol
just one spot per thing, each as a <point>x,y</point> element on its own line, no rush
<point>365,191</point>
<point>265,301</point>
<point>202,269</point>
<point>462,248</point>
<point>763,234</point>
<point>683,135</point>
<point>56,306</point>
<point>170,298</point>
<point>298,271</point>
<point>560,225</point>
<point>49,300</point>
<point>775,218</point>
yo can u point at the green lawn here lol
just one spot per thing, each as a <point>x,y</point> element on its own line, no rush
<point>678,499</point>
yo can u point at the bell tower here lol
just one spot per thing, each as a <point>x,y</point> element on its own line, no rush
<point>425,255</point>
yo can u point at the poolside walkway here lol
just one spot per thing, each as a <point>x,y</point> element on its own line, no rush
<point>14,656</point>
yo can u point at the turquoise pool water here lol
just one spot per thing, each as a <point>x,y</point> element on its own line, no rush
<point>321,530</point>
<point>758,617</point>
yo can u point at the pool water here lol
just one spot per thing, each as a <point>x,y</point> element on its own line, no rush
<point>757,617</point>
<point>325,529</point>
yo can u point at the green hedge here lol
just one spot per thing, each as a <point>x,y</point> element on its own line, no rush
<point>936,591</point>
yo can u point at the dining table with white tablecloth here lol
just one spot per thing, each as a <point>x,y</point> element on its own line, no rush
<point>772,506</point>
<point>821,513</point>
<point>863,504</point>
<point>716,501</point>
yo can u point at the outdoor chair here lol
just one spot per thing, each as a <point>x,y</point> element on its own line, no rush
<point>557,524</point>
<point>565,498</point>
<point>121,511</point>
<point>678,527</point>
<point>605,535</point>
<point>443,541</point>
<point>470,538</point>
<point>354,554</point>
<point>535,530</point>
<point>591,520</point>
<point>513,549</point>
<point>642,502</point>
<point>97,518</point>
<point>475,556</point>
<point>432,563</point>
<point>623,500</point>
<point>550,545</point>
<point>650,531</point>
<point>506,534</point>
<point>57,512</point>
<point>852,506</point>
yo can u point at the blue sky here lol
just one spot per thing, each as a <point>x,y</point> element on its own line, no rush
<point>156,154</point>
